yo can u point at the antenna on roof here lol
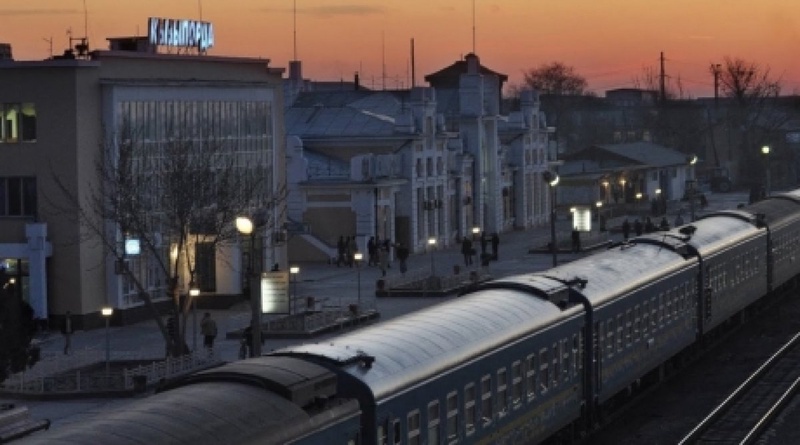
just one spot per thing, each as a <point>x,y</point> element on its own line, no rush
<point>50,41</point>
<point>383,60</point>
<point>473,26</point>
<point>413,68</point>
<point>294,29</point>
<point>200,8</point>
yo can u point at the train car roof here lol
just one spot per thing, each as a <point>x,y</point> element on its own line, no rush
<point>224,412</point>
<point>398,353</point>
<point>777,209</point>
<point>619,270</point>
<point>716,231</point>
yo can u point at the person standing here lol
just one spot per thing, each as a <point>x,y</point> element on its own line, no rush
<point>495,245</point>
<point>341,250</point>
<point>383,258</point>
<point>402,257</point>
<point>67,330</point>
<point>352,248</point>
<point>637,227</point>
<point>208,327</point>
<point>466,250</point>
<point>576,240</point>
<point>626,229</point>
<point>372,251</point>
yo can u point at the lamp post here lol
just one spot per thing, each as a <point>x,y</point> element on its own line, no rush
<point>765,151</point>
<point>475,232</point>
<point>245,226</point>
<point>194,291</point>
<point>107,313</point>
<point>552,180</point>
<point>293,271</point>
<point>432,246</point>
<point>358,256</point>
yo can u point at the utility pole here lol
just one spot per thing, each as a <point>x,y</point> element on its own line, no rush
<point>662,83</point>
<point>715,70</point>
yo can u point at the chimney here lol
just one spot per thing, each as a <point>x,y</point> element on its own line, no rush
<point>357,82</point>
<point>295,70</point>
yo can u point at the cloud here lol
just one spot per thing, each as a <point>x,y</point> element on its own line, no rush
<point>332,11</point>
<point>37,11</point>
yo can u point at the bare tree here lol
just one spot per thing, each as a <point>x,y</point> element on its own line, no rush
<point>752,115</point>
<point>170,196</point>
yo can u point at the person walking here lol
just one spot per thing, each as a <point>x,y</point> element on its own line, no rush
<point>466,250</point>
<point>626,229</point>
<point>208,327</point>
<point>637,227</point>
<point>66,329</point>
<point>402,257</point>
<point>484,240</point>
<point>352,248</point>
<point>495,245</point>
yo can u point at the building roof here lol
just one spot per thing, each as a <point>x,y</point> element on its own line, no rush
<point>458,68</point>
<point>613,157</point>
<point>344,113</point>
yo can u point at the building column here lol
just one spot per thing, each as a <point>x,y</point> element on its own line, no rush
<point>36,234</point>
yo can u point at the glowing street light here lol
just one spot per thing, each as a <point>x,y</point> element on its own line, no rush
<point>246,227</point>
<point>765,151</point>
<point>293,271</point>
<point>552,179</point>
<point>107,312</point>
<point>358,256</point>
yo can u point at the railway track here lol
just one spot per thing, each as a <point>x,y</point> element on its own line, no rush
<point>743,416</point>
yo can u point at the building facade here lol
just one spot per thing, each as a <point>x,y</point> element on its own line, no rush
<point>61,116</point>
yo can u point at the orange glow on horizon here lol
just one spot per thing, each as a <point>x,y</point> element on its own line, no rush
<point>608,42</point>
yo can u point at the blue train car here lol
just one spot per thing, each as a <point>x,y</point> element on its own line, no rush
<point>643,301</point>
<point>490,366</point>
<point>780,215</point>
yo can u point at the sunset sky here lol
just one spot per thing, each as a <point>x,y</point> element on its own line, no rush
<point>610,42</point>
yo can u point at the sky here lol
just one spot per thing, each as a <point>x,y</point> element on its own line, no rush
<point>609,42</point>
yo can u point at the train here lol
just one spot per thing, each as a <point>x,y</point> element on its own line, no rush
<point>529,358</point>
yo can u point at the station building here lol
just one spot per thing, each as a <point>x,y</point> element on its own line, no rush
<point>57,117</point>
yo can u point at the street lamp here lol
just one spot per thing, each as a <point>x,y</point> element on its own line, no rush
<point>293,271</point>
<point>245,226</point>
<point>765,152</point>
<point>107,313</point>
<point>194,291</point>
<point>552,179</point>
<point>432,245</point>
<point>358,256</point>
<point>475,232</point>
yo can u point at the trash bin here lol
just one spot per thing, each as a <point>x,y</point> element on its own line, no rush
<point>139,384</point>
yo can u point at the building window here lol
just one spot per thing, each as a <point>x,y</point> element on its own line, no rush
<point>19,122</point>
<point>18,196</point>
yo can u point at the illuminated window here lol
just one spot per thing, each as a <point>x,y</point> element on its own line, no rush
<point>19,122</point>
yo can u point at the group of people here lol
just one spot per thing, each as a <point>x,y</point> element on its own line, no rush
<point>469,251</point>
<point>346,250</point>
<point>379,253</point>
<point>648,226</point>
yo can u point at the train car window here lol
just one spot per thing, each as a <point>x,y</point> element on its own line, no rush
<point>470,413</point>
<point>433,422</point>
<point>544,370</point>
<point>610,336</point>
<point>487,413</point>
<point>530,376</point>
<point>577,353</point>
<point>556,363</point>
<point>628,328</point>
<point>566,362</point>
<point>398,437</point>
<point>383,432</point>
<point>667,306</point>
<point>516,384</point>
<point>661,310</point>
<point>502,392</point>
<point>620,332</point>
<point>645,317</point>
<point>637,323</point>
<point>412,428</point>
<point>654,313</point>
<point>452,418</point>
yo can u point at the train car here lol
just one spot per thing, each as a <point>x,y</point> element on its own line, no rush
<point>732,250</point>
<point>266,400</point>
<point>500,364</point>
<point>780,214</point>
<point>642,298</point>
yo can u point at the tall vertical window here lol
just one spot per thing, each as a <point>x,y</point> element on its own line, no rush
<point>17,196</point>
<point>18,122</point>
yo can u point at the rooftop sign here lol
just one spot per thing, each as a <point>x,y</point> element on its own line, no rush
<point>180,33</point>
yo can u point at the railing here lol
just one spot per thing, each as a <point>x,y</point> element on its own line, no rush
<point>60,375</point>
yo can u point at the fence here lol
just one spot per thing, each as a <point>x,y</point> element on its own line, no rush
<point>59,375</point>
